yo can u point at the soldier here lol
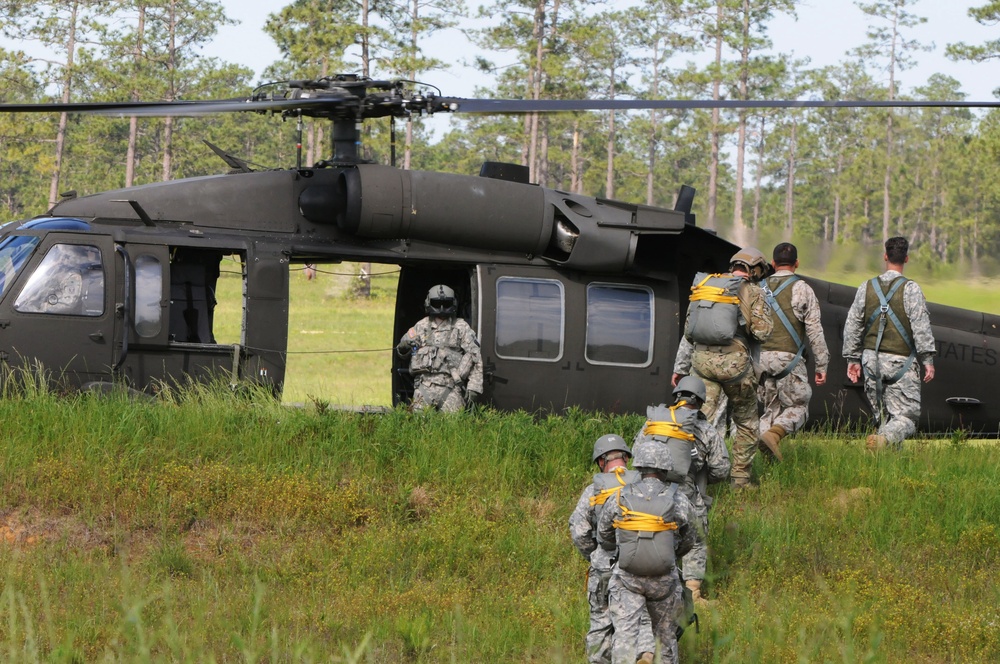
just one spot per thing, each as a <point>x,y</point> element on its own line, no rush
<point>709,464</point>
<point>611,455</point>
<point>650,524</point>
<point>785,390</point>
<point>727,319</point>
<point>445,361</point>
<point>887,328</point>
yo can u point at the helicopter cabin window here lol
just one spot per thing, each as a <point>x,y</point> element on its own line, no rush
<point>619,324</point>
<point>14,253</point>
<point>530,319</point>
<point>69,281</point>
<point>148,294</point>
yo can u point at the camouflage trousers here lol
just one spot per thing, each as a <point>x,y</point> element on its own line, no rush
<point>897,419</point>
<point>732,374</point>
<point>429,393</point>
<point>786,400</point>
<point>695,562</point>
<point>601,632</point>
<point>630,597</point>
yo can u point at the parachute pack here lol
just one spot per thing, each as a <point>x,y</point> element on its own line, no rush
<point>646,538</point>
<point>666,441</point>
<point>714,311</point>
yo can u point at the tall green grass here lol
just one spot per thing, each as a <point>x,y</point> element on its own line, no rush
<point>214,527</point>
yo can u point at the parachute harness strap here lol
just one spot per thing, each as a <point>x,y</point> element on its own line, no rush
<point>601,497</point>
<point>669,429</point>
<point>711,293</point>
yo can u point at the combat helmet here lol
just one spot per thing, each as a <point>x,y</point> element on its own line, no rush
<point>441,301</point>
<point>691,385</point>
<point>753,261</point>
<point>611,442</point>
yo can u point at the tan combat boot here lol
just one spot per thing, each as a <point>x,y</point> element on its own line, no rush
<point>768,442</point>
<point>876,442</point>
<point>694,585</point>
<point>646,658</point>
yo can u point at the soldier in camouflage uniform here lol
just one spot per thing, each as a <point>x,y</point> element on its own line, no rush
<point>611,455</point>
<point>731,368</point>
<point>445,361</point>
<point>647,579</point>
<point>709,464</point>
<point>888,335</point>
<point>785,390</point>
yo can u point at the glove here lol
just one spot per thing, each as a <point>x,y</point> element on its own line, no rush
<point>471,396</point>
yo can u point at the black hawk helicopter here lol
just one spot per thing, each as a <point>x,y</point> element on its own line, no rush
<point>577,300</point>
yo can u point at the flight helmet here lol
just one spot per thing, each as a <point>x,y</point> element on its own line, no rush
<point>610,443</point>
<point>691,385</point>
<point>441,301</point>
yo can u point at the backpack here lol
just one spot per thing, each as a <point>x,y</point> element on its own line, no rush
<point>666,441</point>
<point>713,311</point>
<point>645,533</point>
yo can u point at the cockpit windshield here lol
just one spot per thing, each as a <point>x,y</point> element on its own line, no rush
<point>14,253</point>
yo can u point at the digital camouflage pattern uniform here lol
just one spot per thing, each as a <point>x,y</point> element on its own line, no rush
<point>709,464</point>
<point>901,399</point>
<point>583,532</point>
<point>445,362</point>
<point>661,596</point>
<point>786,399</point>
<point>732,370</point>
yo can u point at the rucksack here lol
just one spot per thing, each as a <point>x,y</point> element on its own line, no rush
<point>714,311</point>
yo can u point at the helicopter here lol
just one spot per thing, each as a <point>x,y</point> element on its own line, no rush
<point>578,301</point>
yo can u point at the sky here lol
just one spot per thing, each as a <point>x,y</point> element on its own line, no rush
<point>824,32</point>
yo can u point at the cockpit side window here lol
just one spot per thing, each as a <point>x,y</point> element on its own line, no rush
<point>14,253</point>
<point>69,281</point>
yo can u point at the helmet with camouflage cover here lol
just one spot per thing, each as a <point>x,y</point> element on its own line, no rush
<point>610,443</point>
<point>441,301</point>
<point>752,260</point>
<point>691,385</point>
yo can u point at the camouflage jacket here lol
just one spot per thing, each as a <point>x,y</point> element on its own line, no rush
<point>805,307</point>
<point>709,462</point>
<point>915,308</point>
<point>444,350</point>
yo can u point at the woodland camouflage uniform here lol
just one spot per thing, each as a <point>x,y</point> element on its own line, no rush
<point>631,595</point>
<point>901,399</point>
<point>786,399</point>
<point>732,370</point>
<point>456,371</point>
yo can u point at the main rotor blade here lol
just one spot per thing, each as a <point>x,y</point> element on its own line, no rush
<point>568,105</point>
<point>175,108</point>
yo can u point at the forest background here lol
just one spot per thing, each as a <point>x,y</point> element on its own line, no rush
<point>829,177</point>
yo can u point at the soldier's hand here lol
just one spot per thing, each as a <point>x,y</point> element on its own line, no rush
<point>471,396</point>
<point>820,377</point>
<point>676,378</point>
<point>854,371</point>
<point>928,373</point>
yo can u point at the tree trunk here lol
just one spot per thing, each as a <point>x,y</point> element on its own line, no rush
<point>713,165</point>
<point>168,122</point>
<point>133,123</point>
<point>63,117</point>
<point>790,185</point>
<point>741,138</point>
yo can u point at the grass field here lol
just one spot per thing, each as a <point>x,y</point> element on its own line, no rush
<point>218,528</point>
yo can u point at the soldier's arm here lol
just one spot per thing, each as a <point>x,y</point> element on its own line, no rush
<point>915,306</point>
<point>685,517</point>
<point>606,524</point>
<point>581,531</point>
<point>806,307</point>
<point>854,327</point>
<point>682,364</point>
<point>756,311</point>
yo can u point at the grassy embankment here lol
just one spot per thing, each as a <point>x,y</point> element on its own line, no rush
<point>214,528</point>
